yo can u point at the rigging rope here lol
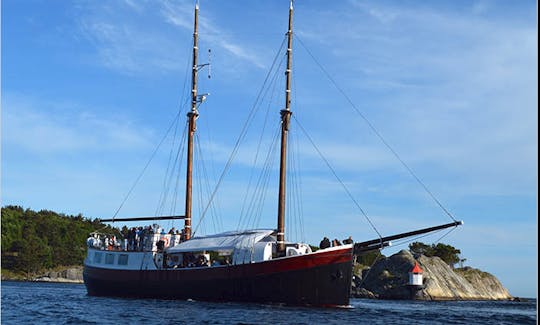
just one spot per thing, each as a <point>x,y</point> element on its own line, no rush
<point>170,173</point>
<point>255,206</point>
<point>372,127</point>
<point>405,241</point>
<point>146,166</point>
<point>294,195</point>
<point>242,135</point>
<point>166,178</point>
<point>337,177</point>
<point>272,89</point>
<point>264,179</point>
<point>297,175</point>
<point>204,186</point>
<point>448,233</point>
<point>171,168</point>
<point>179,156</point>
<point>370,268</point>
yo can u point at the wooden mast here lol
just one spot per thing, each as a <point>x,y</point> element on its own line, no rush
<point>285,121</point>
<point>192,117</point>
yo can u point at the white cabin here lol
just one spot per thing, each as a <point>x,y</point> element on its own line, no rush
<point>228,248</point>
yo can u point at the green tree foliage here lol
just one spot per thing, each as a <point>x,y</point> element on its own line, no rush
<point>447,253</point>
<point>369,258</point>
<point>33,241</point>
<point>421,249</point>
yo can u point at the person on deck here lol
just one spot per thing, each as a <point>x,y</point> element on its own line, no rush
<point>336,242</point>
<point>183,235</point>
<point>98,244</point>
<point>137,239</point>
<point>90,241</point>
<point>143,234</point>
<point>112,243</point>
<point>325,243</point>
<point>348,240</point>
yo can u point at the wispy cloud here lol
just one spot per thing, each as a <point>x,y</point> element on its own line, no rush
<point>65,128</point>
<point>131,49</point>
<point>181,14</point>
<point>134,37</point>
<point>450,90</point>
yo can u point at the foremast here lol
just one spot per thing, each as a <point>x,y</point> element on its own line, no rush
<point>285,121</point>
<point>192,118</point>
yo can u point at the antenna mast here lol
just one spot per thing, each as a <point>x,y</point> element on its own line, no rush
<point>285,121</point>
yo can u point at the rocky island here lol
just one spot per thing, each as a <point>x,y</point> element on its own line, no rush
<point>388,278</point>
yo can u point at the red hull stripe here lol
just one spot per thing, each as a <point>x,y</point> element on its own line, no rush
<point>301,262</point>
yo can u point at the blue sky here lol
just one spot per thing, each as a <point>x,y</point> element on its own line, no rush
<point>89,88</point>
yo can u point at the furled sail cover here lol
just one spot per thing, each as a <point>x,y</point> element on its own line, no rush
<point>225,241</point>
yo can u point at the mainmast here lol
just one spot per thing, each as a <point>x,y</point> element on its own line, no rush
<point>192,117</point>
<point>285,121</point>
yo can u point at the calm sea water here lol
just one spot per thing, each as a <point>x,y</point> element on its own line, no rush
<point>55,303</point>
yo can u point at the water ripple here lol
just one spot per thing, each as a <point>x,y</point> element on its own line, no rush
<point>37,303</point>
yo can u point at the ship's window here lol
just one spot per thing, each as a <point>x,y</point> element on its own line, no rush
<point>98,257</point>
<point>109,258</point>
<point>122,259</point>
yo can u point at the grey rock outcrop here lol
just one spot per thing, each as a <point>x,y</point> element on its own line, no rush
<point>388,279</point>
<point>485,284</point>
<point>67,275</point>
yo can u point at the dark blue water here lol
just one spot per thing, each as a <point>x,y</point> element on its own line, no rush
<point>55,303</point>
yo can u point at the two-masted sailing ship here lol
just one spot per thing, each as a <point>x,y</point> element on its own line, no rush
<point>252,266</point>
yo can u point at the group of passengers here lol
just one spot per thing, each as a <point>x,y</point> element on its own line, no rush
<point>191,260</point>
<point>136,239</point>
<point>107,243</point>
<point>195,260</point>
<point>325,243</point>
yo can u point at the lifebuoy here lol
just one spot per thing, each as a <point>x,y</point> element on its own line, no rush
<point>165,241</point>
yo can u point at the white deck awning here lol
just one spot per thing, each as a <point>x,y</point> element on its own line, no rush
<point>221,242</point>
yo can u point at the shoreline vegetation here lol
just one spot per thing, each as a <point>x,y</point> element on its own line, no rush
<point>36,241</point>
<point>46,246</point>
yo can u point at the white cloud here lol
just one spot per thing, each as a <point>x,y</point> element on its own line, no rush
<point>135,37</point>
<point>449,90</point>
<point>131,49</point>
<point>55,128</point>
<point>181,14</point>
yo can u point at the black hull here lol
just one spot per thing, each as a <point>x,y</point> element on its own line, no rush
<point>305,281</point>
